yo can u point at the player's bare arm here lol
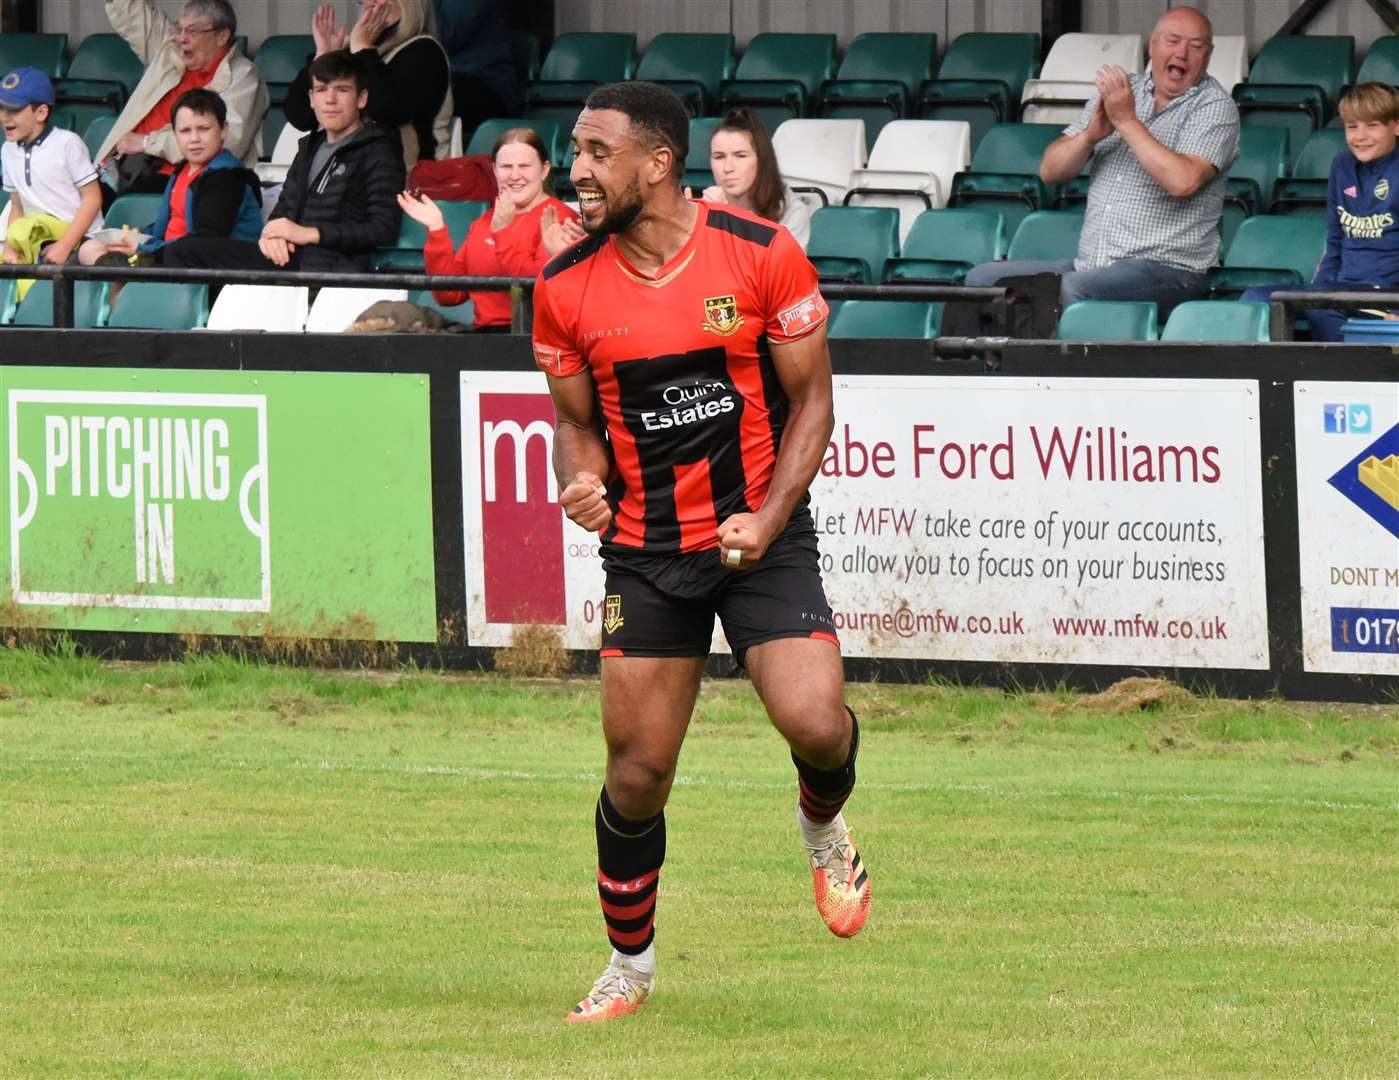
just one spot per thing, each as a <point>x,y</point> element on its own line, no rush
<point>804,369</point>
<point>581,458</point>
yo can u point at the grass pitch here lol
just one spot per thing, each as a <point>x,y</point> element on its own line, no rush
<point>212,869</point>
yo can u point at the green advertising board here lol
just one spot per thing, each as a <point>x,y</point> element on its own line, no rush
<point>219,502</point>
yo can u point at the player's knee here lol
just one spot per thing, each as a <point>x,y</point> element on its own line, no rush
<point>821,735</point>
<point>638,787</point>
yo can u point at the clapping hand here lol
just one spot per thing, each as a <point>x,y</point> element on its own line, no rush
<point>1115,92</point>
<point>373,21</point>
<point>422,210</point>
<point>504,212</point>
<point>556,234</point>
<point>327,35</point>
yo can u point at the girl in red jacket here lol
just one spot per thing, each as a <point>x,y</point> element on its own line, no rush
<point>524,230</point>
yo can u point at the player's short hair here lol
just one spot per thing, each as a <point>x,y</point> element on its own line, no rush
<point>655,112</point>
<point>340,64</point>
<point>203,102</point>
<point>1373,101</point>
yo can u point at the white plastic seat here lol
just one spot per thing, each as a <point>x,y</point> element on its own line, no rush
<point>1229,61</point>
<point>820,154</point>
<point>917,156</point>
<point>261,307</point>
<point>283,154</point>
<point>1066,78</point>
<point>335,309</point>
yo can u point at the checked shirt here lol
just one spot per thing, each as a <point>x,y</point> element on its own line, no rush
<point>1129,215</point>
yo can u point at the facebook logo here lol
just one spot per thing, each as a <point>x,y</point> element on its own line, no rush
<point>1335,417</point>
<point>1359,419</point>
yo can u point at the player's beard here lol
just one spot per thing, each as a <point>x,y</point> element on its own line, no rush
<point>620,217</point>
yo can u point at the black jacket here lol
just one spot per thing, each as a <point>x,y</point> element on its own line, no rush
<point>352,201</point>
<point>408,90</point>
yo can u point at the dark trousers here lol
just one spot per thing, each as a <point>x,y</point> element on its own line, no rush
<point>219,253</point>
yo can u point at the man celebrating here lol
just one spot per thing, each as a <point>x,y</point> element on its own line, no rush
<point>685,346</point>
<point>1160,146</point>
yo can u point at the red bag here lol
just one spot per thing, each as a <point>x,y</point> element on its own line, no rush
<point>455,179</point>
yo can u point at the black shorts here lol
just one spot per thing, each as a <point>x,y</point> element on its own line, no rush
<point>665,605</point>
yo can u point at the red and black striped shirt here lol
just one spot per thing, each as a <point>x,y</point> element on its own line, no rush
<point>692,405</point>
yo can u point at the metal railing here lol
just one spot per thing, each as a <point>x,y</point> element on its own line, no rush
<point>996,299</point>
<point>1283,306</point>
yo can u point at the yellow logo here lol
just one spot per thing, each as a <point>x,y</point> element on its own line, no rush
<point>612,614</point>
<point>1382,189</point>
<point>11,81</point>
<point>721,315</point>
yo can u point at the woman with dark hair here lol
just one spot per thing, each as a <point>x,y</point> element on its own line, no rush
<point>746,174</point>
<point>407,73</point>
<point>526,228</point>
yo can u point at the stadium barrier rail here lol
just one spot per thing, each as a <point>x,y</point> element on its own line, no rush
<point>1284,307</point>
<point>384,518</point>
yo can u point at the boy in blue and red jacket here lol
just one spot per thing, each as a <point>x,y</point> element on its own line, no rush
<point>210,193</point>
<point>1362,207</point>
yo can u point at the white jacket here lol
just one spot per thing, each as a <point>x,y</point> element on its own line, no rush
<point>236,80</point>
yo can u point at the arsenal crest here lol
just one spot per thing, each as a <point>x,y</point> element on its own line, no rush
<point>612,614</point>
<point>721,315</point>
<point>1382,189</point>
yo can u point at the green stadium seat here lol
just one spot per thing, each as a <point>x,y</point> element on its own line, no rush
<point>147,305</point>
<point>780,76</point>
<point>981,80</point>
<point>886,319</point>
<point>407,252</point>
<point>693,65</point>
<point>104,70</point>
<point>1304,192</point>
<point>7,300</point>
<point>1248,189</point>
<point>1270,249</point>
<point>280,58</point>
<point>524,46</point>
<point>89,305</point>
<point>138,211</point>
<point>944,244</point>
<point>47,52</point>
<point>851,243</point>
<point>1108,320</point>
<point>698,174</point>
<point>555,139</point>
<point>67,119</point>
<point>1047,234</point>
<point>1217,320</point>
<point>1295,82</point>
<point>1005,172</point>
<point>273,121</point>
<point>1381,63</point>
<point>576,65</point>
<point>878,79</point>
<point>96,132</point>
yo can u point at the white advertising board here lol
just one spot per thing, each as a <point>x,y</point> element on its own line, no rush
<point>1084,521</point>
<point>1348,525</point>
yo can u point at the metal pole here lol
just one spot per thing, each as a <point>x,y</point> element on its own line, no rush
<point>1279,322</point>
<point>62,300</point>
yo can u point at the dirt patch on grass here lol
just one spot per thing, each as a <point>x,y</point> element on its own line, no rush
<point>535,652</point>
<point>1136,695</point>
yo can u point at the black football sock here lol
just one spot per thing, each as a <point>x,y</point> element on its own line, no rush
<point>629,858</point>
<point>822,792</point>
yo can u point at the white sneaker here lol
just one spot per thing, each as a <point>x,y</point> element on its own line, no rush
<point>618,992</point>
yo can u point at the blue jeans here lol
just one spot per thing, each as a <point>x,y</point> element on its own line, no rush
<point>1127,279</point>
<point>1325,323</point>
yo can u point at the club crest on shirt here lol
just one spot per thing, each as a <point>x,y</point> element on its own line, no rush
<point>1382,188</point>
<point>721,315</point>
<point>612,613</point>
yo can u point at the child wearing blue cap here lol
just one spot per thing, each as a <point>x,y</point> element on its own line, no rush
<point>55,197</point>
